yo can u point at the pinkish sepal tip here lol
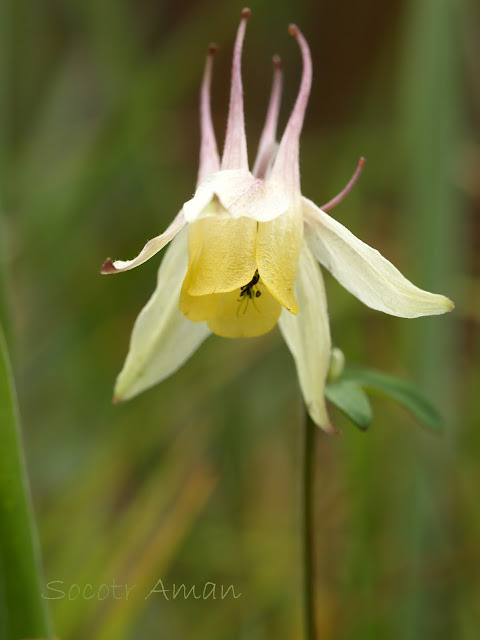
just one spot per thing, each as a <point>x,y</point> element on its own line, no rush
<point>212,49</point>
<point>293,30</point>
<point>277,63</point>
<point>108,267</point>
<point>246,13</point>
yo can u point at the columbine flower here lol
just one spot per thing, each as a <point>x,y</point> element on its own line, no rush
<point>245,252</point>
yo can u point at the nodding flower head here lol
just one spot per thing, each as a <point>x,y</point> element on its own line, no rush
<point>246,249</point>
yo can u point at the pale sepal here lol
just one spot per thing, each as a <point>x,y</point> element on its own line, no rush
<point>162,338</point>
<point>152,247</point>
<point>364,272</point>
<point>240,195</point>
<point>308,337</point>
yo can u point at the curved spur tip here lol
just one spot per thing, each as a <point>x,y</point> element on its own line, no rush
<point>333,431</point>
<point>277,63</point>
<point>108,267</point>
<point>246,13</point>
<point>293,30</point>
<point>361,162</point>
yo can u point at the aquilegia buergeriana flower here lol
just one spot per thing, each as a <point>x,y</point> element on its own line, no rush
<point>245,252</point>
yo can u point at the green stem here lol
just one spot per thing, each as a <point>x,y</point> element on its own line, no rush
<point>310,430</point>
<point>23,612</point>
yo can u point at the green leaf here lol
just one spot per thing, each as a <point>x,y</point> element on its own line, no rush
<point>402,391</point>
<point>22,610</point>
<point>350,398</point>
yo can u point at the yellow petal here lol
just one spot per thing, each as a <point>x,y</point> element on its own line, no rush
<point>239,316</point>
<point>222,254</point>
<point>279,243</point>
<point>195,308</point>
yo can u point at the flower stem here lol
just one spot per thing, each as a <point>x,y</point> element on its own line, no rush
<point>310,430</point>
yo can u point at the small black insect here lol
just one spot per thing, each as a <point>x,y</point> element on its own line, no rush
<point>248,292</point>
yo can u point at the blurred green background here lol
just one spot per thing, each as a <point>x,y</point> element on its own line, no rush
<point>197,480</point>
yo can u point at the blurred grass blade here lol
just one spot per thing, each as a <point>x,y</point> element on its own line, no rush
<point>4,299</point>
<point>350,398</point>
<point>402,391</point>
<point>22,611</point>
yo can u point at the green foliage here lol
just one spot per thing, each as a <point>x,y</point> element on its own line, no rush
<point>349,397</point>
<point>349,394</point>
<point>402,391</point>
